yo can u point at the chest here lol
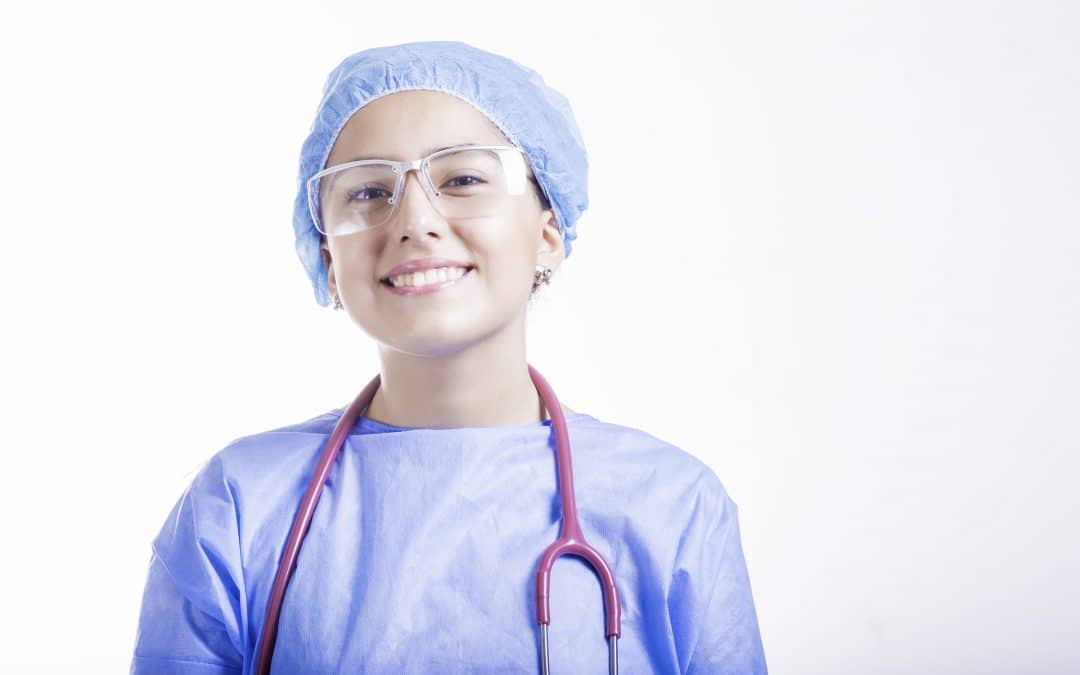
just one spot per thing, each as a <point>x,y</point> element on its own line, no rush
<point>446,584</point>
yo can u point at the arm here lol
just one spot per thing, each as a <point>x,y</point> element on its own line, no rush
<point>192,610</point>
<point>723,633</point>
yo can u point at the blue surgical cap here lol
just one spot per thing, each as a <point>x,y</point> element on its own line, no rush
<point>532,116</point>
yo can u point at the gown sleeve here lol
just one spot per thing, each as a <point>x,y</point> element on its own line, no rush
<point>717,607</point>
<point>192,613</point>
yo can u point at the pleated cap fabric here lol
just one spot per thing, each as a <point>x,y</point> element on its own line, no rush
<point>532,115</point>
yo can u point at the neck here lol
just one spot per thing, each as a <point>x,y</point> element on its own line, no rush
<point>483,384</point>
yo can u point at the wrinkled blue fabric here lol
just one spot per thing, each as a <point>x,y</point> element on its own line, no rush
<point>422,556</point>
<point>532,115</point>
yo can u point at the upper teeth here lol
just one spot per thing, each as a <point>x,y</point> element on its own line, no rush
<point>431,276</point>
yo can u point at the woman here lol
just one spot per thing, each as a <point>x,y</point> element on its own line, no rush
<point>421,556</point>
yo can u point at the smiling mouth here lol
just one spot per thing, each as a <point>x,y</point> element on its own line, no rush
<point>385,281</point>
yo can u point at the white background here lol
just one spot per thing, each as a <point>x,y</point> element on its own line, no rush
<point>831,250</point>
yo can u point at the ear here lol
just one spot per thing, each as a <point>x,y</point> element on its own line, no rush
<point>324,251</point>
<point>549,251</point>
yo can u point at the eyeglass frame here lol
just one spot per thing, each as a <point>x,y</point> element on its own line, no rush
<point>402,170</point>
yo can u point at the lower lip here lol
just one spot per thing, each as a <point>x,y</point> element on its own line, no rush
<point>426,289</point>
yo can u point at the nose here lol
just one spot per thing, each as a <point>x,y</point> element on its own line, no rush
<point>415,200</point>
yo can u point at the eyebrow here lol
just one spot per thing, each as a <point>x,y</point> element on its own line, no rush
<point>429,151</point>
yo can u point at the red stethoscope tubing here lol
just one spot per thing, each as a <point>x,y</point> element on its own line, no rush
<point>571,541</point>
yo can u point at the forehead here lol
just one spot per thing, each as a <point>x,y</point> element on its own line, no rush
<point>410,124</point>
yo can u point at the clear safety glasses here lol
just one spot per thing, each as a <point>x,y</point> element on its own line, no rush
<point>465,181</point>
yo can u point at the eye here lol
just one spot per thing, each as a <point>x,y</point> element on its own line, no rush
<point>364,194</point>
<point>464,181</point>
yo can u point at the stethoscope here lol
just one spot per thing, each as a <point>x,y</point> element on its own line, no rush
<point>570,542</point>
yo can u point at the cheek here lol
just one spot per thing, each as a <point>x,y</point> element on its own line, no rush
<point>354,271</point>
<point>502,250</point>
<point>350,258</point>
<point>499,239</point>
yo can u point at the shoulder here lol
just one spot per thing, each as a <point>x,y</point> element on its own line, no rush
<point>242,485</point>
<point>253,471</point>
<point>636,446</point>
<point>262,452</point>
<point>649,459</point>
<point>663,502</point>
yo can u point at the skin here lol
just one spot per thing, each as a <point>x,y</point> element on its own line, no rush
<point>455,358</point>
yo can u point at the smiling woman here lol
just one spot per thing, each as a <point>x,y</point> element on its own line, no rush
<point>439,187</point>
<point>463,209</point>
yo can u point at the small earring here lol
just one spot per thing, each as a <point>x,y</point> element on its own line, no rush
<point>542,276</point>
<point>337,301</point>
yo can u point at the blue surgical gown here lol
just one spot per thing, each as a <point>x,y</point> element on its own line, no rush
<point>423,550</point>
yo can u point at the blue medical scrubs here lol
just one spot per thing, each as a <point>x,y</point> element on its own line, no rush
<point>422,556</point>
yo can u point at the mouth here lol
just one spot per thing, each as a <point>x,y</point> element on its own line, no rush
<point>407,287</point>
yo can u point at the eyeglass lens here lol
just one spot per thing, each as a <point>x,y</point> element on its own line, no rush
<point>469,183</point>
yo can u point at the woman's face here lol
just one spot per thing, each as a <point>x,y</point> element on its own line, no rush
<point>503,249</point>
